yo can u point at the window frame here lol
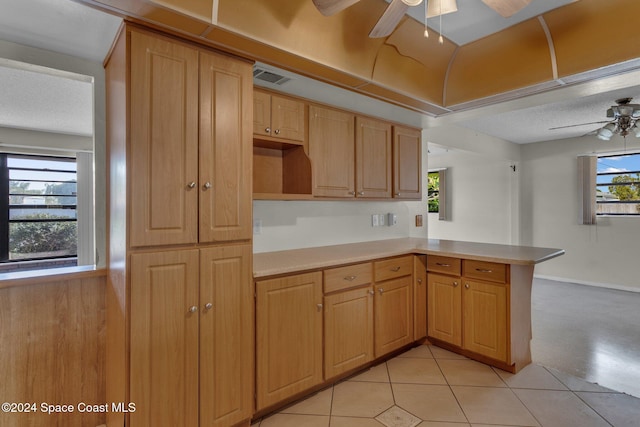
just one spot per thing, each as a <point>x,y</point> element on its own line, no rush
<point>612,174</point>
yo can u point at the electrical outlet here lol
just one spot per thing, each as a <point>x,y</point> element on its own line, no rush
<point>392,219</point>
<point>375,220</point>
<point>257,226</point>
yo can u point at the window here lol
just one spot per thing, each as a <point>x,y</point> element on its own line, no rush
<point>436,193</point>
<point>39,208</point>
<point>618,185</point>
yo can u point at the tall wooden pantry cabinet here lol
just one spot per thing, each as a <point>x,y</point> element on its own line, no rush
<point>179,295</point>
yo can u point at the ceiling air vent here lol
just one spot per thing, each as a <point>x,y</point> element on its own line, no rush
<point>268,76</point>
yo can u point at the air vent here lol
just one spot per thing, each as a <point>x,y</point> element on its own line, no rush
<point>268,76</point>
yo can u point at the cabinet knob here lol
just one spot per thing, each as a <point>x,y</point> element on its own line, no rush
<point>193,309</point>
<point>277,132</point>
<point>371,292</point>
<point>319,306</point>
<point>350,278</point>
<point>192,184</point>
<point>419,281</point>
<point>207,185</point>
<point>352,193</point>
<point>455,284</point>
<point>380,290</point>
<point>208,306</point>
<point>397,194</point>
<point>360,193</point>
<point>466,286</point>
<point>267,130</point>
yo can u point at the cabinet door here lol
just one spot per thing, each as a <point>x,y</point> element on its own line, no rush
<point>445,308</point>
<point>331,150</point>
<point>420,297</point>
<point>407,166</point>
<point>225,148</point>
<point>226,335</point>
<point>164,339</point>
<point>485,318</point>
<point>288,336</point>
<point>373,158</point>
<point>164,142</point>
<point>393,314</point>
<point>287,118</point>
<point>261,113</point>
<point>348,330</point>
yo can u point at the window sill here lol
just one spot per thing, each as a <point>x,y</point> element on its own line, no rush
<point>32,277</point>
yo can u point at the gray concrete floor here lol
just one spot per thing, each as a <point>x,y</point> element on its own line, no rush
<point>588,332</point>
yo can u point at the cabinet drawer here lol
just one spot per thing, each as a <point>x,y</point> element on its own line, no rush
<point>392,268</point>
<point>483,270</point>
<point>443,264</point>
<point>351,276</point>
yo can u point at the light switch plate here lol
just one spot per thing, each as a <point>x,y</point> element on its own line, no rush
<point>257,226</point>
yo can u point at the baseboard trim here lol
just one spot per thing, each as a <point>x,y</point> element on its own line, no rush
<point>585,283</point>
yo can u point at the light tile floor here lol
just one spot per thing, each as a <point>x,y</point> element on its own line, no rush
<point>431,387</point>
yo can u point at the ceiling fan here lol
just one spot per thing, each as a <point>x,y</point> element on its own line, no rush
<point>625,119</point>
<point>397,8</point>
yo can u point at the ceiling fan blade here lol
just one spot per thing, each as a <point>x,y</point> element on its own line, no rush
<point>331,7</point>
<point>581,124</point>
<point>389,19</point>
<point>506,8</point>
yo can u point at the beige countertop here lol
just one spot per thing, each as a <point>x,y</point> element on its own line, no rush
<point>295,260</point>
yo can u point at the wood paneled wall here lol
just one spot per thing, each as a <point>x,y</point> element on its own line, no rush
<point>52,349</point>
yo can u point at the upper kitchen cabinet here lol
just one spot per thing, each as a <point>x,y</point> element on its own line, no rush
<point>332,152</point>
<point>373,158</point>
<point>407,163</point>
<point>190,147</point>
<point>278,117</point>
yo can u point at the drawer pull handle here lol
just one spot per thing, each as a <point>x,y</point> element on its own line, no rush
<point>350,278</point>
<point>394,269</point>
<point>441,264</point>
<point>484,270</point>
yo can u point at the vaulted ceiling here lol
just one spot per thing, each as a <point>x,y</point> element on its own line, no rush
<point>553,44</point>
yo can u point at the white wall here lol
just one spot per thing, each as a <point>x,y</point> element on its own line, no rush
<point>479,199</point>
<point>301,224</point>
<point>605,254</point>
<point>58,61</point>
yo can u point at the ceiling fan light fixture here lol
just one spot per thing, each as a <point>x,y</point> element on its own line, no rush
<point>441,7</point>
<point>412,2</point>
<point>607,131</point>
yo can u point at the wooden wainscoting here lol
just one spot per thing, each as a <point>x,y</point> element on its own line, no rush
<point>52,348</point>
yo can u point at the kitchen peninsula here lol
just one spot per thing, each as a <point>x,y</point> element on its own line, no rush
<point>332,310</point>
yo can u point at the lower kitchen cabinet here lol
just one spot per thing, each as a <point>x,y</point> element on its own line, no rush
<point>289,314</point>
<point>348,330</point>
<point>393,304</point>
<point>445,309</point>
<point>420,297</point>
<point>485,318</point>
<point>191,339</point>
<point>469,307</point>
